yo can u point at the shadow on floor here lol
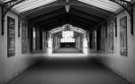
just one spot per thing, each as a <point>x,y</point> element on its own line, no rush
<point>68,71</point>
<point>69,63</point>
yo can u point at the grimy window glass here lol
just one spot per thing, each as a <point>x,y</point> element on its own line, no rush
<point>24,35</point>
<point>111,36</point>
<point>123,36</point>
<point>10,36</point>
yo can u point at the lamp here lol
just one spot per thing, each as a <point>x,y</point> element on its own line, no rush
<point>67,6</point>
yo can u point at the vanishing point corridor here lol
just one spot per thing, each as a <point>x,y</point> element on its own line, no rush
<point>67,41</point>
<point>68,72</point>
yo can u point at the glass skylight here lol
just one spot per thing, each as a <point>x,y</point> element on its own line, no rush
<point>31,4</point>
<point>103,4</point>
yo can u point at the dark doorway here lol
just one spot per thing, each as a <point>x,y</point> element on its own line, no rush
<point>67,45</point>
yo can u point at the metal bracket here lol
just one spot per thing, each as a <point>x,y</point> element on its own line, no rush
<point>128,6</point>
<point>7,6</point>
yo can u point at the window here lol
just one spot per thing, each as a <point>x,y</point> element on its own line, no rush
<point>67,36</point>
<point>123,36</point>
<point>10,36</point>
<point>25,43</point>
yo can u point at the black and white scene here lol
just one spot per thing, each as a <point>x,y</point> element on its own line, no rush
<point>67,41</point>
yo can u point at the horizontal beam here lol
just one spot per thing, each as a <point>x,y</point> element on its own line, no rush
<point>89,17</point>
<point>46,16</point>
<point>90,9</point>
<point>42,9</point>
<point>84,20</point>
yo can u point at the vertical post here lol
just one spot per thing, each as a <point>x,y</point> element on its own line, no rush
<point>98,38</point>
<point>41,40</point>
<point>85,44</point>
<point>19,25</point>
<point>2,20</point>
<point>115,26</point>
<point>50,44</point>
<point>132,20</point>
<point>30,33</point>
<point>90,43</point>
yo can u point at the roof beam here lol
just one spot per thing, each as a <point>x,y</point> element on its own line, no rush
<point>51,19</point>
<point>51,25</point>
<point>63,19</point>
<point>90,17</point>
<point>81,25</point>
<point>44,8</point>
<point>84,5</point>
<point>77,17</point>
<point>47,16</point>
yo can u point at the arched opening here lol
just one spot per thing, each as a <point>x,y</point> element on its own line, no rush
<point>67,40</point>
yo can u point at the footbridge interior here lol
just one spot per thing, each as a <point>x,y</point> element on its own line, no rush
<point>57,32</point>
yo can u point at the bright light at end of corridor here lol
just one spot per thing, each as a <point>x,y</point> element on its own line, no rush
<point>65,55</point>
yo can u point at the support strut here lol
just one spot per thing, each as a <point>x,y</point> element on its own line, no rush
<point>7,6</point>
<point>128,6</point>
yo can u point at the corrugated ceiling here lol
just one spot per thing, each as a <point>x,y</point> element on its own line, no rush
<point>31,4</point>
<point>103,4</point>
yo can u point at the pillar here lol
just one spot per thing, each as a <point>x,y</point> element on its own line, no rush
<point>30,37</point>
<point>40,40</point>
<point>98,39</point>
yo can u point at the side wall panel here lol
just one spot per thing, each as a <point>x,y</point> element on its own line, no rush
<point>12,66</point>
<point>123,65</point>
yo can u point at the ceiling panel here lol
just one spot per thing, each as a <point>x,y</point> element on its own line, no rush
<point>50,13</point>
<point>42,9</point>
<point>61,19</point>
<point>31,4</point>
<point>91,10</point>
<point>86,15</point>
<point>103,4</point>
<point>47,15</point>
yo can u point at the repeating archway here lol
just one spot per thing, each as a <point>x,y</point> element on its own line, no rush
<point>71,28</point>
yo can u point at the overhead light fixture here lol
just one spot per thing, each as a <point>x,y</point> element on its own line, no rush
<point>67,6</point>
